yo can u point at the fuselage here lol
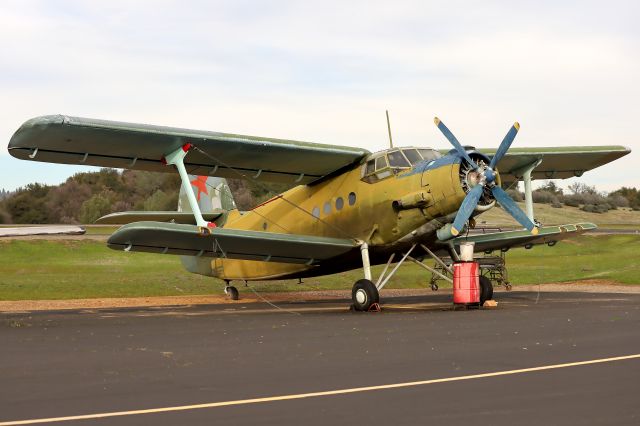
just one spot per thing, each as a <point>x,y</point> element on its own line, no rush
<point>386,207</point>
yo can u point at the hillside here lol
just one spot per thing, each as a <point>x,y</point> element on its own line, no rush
<point>85,197</point>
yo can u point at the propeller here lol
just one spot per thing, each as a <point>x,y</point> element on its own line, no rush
<point>487,179</point>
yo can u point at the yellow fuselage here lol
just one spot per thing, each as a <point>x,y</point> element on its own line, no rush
<point>327,209</point>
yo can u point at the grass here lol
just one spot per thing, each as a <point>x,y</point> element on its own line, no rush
<point>620,218</point>
<point>70,269</point>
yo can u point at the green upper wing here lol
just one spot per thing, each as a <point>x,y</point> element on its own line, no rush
<point>557,163</point>
<point>169,238</point>
<point>511,239</point>
<point>73,140</point>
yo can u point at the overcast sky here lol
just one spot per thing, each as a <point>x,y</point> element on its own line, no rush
<point>325,72</point>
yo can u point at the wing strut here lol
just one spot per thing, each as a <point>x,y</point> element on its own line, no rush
<point>177,159</point>
<point>526,177</point>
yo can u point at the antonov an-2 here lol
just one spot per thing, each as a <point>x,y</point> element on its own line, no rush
<point>350,209</point>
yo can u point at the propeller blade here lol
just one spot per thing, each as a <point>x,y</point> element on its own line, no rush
<point>512,208</point>
<point>505,144</point>
<point>452,139</point>
<point>466,208</point>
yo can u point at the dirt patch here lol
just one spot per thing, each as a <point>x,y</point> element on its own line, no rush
<point>247,296</point>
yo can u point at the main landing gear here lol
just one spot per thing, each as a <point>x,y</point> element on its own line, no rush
<point>486,289</point>
<point>364,294</point>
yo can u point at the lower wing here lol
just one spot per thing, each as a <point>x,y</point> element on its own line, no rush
<point>189,240</point>
<point>506,240</point>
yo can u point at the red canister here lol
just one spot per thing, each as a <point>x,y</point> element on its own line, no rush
<point>466,283</point>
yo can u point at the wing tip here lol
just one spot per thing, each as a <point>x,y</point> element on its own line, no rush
<point>436,120</point>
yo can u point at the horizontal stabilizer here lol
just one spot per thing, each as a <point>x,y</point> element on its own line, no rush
<point>122,218</point>
<point>170,238</point>
<point>511,239</point>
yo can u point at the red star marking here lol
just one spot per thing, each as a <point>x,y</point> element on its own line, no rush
<point>200,182</point>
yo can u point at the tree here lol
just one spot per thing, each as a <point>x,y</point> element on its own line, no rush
<point>27,205</point>
<point>94,208</point>
<point>582,188</point>
<point>161,201</point>
<point>64,202</point>
<point>631,194</point>
<point>550,186</point>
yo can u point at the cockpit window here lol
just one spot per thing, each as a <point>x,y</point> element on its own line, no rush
<point>412,155</point>
<point>381,162</point>
<point>430,154</point>
<point>371,167</point>
<point>396,159</point>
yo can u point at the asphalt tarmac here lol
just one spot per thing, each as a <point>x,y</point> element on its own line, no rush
<point>97,363</point>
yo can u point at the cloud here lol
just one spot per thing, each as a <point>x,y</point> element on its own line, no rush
<point>325,71</point>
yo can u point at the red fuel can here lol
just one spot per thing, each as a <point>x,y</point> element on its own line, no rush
<point>466,283</point>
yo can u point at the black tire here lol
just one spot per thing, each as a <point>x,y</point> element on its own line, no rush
<point>486,289</point>
<point>232,292</point>
<point>364,294</point>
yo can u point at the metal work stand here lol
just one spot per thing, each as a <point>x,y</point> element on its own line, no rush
<point>492,267</point>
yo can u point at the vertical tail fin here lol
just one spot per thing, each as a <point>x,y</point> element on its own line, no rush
<point>211,192</point>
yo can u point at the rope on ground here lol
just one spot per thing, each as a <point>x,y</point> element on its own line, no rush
<point>270,303</point>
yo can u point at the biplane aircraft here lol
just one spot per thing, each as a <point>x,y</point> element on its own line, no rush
<point>350,209</point>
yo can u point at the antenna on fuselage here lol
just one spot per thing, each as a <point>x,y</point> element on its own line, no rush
<point>389,129</point>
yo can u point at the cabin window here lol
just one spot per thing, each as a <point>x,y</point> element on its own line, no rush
<point>339,203</point>
<point>352,198</point>
<point>412,155</point>
<point>316,212</point>
<point>327,208</point>
<point>397,160</point>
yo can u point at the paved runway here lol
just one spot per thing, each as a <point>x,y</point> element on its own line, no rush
<point>58,364</point>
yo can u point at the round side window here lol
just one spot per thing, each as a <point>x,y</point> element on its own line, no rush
<point>316,212</point>
<point>339,203</point>
<point>327,208</point>
<point>352,198</point>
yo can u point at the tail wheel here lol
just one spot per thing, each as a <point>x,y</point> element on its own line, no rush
<point>364,294</point>
<point>232,292</point>
<point>486,289</point>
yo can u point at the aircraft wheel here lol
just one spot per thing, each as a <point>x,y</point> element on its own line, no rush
<point>232,292</point>
<point>434,287</point>
<point>364,294</point>
<point>508,286</point>
<point>486,289</point>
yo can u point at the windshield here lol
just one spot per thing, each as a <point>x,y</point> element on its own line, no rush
<point>396,159</point>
